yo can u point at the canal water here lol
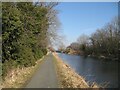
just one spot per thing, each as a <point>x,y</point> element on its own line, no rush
<point>104,73</point>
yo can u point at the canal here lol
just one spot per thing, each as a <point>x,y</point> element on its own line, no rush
<point>104,73</point>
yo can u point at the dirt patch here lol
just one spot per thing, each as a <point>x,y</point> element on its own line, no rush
<point>68,78</point>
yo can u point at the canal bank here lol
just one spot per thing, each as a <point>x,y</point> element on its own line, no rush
<point>104,73</point>
<point>68,78</point>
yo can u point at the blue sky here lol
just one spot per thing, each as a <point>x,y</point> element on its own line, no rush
<point>84,17</point>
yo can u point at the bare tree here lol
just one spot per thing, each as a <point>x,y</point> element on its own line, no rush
<point>83,39</point>
<point>53,22</point>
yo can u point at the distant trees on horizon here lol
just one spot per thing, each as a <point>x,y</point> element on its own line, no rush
<point>103,42</point>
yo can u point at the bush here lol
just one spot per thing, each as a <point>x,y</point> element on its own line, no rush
<point>24,32</point>
<point>25,56</point>
<point>44,51</point>
<point>38,54</point>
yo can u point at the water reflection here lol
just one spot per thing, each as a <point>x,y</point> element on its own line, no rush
<point>93,69</point>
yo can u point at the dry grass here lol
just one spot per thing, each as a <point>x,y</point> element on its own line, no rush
<point>68,78</point>
<point>17,78</point>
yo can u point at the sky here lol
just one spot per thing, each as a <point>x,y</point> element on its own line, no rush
<point>79,18</point>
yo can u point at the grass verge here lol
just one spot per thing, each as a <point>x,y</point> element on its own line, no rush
<point>68,78</point>
<point>19,77</point>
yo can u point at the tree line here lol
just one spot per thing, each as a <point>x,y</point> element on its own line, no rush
<point>27,30</point>
<point>102,43</point>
